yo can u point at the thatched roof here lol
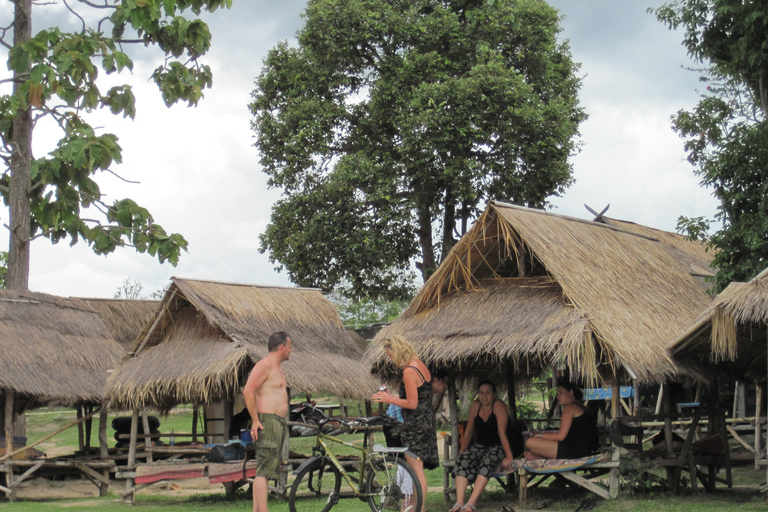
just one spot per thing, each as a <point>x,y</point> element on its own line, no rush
<point>125,318</point>
<point>54,349</point>
<point>729,337</point>
<point>695,257</point>
<point>614,299</point>
<point>206,336</point>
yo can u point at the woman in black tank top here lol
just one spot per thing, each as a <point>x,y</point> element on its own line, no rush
<point>419,432</point>
<point>577,437</point>
<point>487,420</point>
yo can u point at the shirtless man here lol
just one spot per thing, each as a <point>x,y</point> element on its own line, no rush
<point>266,398</point>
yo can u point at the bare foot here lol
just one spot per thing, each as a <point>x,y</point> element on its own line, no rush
<point>528,455</point>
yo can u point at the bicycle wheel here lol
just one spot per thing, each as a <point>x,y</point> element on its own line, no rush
<point>393,485</point>
<point>317,487</point>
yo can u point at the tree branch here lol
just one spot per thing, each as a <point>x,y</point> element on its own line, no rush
<point>70,9</point>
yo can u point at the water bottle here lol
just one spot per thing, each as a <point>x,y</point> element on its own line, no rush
<point>172,440</point>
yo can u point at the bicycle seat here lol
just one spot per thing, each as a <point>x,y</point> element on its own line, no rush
<point>384,449</point>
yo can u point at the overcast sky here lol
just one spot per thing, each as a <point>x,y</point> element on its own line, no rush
<point>199,173</point>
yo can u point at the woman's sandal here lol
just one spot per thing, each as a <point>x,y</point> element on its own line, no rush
<point>468,508</point>
<point>456,507</point>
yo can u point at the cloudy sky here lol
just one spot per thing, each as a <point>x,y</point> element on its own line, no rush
<point>199,173</point>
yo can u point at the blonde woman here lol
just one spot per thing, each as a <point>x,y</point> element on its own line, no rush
<point>415,398</point>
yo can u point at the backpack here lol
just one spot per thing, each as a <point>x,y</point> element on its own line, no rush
<point>226,452</point>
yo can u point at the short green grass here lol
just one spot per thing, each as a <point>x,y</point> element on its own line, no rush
<point>42,422</point>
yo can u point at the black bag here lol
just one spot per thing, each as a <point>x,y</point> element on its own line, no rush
<point>226,452</point>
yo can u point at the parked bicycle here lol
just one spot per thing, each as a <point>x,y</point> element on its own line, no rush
<point>385,480</point>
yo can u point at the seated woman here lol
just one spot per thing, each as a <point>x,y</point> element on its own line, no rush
<point>488,420</point>
<point>577,437</point>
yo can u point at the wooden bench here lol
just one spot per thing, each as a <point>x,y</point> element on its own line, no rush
<point>524,469</point>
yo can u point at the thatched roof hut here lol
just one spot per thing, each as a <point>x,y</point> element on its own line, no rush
<point>54,349</point>
<point>125,318</point>
<point>532,288</point>
<point>206,336</point>
<point>730,336</point>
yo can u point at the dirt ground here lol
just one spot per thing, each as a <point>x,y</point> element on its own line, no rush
<point>70,488</point>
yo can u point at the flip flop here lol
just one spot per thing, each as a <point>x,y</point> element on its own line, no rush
<point>468,508</point>
<point>456,507</point>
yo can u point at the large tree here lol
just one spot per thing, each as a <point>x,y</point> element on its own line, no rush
<point>726,134</point>
<point>394,121</point>
<point>55,78</point>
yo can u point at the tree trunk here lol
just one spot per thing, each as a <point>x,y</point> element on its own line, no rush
<point>21,157</point>
<point>449,223</point>
<point>427,264</point>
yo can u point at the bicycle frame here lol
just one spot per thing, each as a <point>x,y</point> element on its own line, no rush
<point>322,445</point>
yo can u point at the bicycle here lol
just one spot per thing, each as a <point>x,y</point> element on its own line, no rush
<point>385,482</point>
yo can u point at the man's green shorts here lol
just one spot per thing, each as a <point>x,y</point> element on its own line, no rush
<point>269,444</point>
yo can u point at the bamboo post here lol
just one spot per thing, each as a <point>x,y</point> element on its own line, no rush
<point>636,392</point>
<point>147,438</point>
<point>80,432</point>
<point>511,392</point>
<point>129,482</point>
<point>88,426</point>
<point>9,399</point>
<point>615,397</point>
<point>453,410</point>
<point>758,427</point>
<point>194,422</point>
<point>103,448</point>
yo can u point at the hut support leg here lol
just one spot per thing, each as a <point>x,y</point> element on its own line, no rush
<point>454,414</point>
<point>147,438</point>
<point>194,422</point>
<point>758,425</point>
<point>103,448</point>
<point>129,482</point>
<point>9,399</point>
<point>523,487</point>
<point>88,409</point>
<point>80,431</point>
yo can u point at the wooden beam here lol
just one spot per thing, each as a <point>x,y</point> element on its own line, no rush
<point>154,325</point>
<point>91,473</point>
<point>24,475</point>
<point>583,482</point>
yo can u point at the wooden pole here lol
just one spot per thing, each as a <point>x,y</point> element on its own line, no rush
<point>511,392</point>
<point>615,397</point>
<point>103,448</point>
<point>454,412</point>
<point>147,439</point>
<point>80,433</point>
<point>758,425</point>
<point>195,412</point>
<point>9,399</point>
<point>88,426</point>
<point>129,482</point>
<point>636,389</point>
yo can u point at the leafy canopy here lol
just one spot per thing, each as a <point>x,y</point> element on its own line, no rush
<point>393,122</point>
<point>726,135</point>
<point>56,76</point>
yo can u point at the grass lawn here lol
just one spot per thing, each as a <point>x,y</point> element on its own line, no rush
<point>744,496</point>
